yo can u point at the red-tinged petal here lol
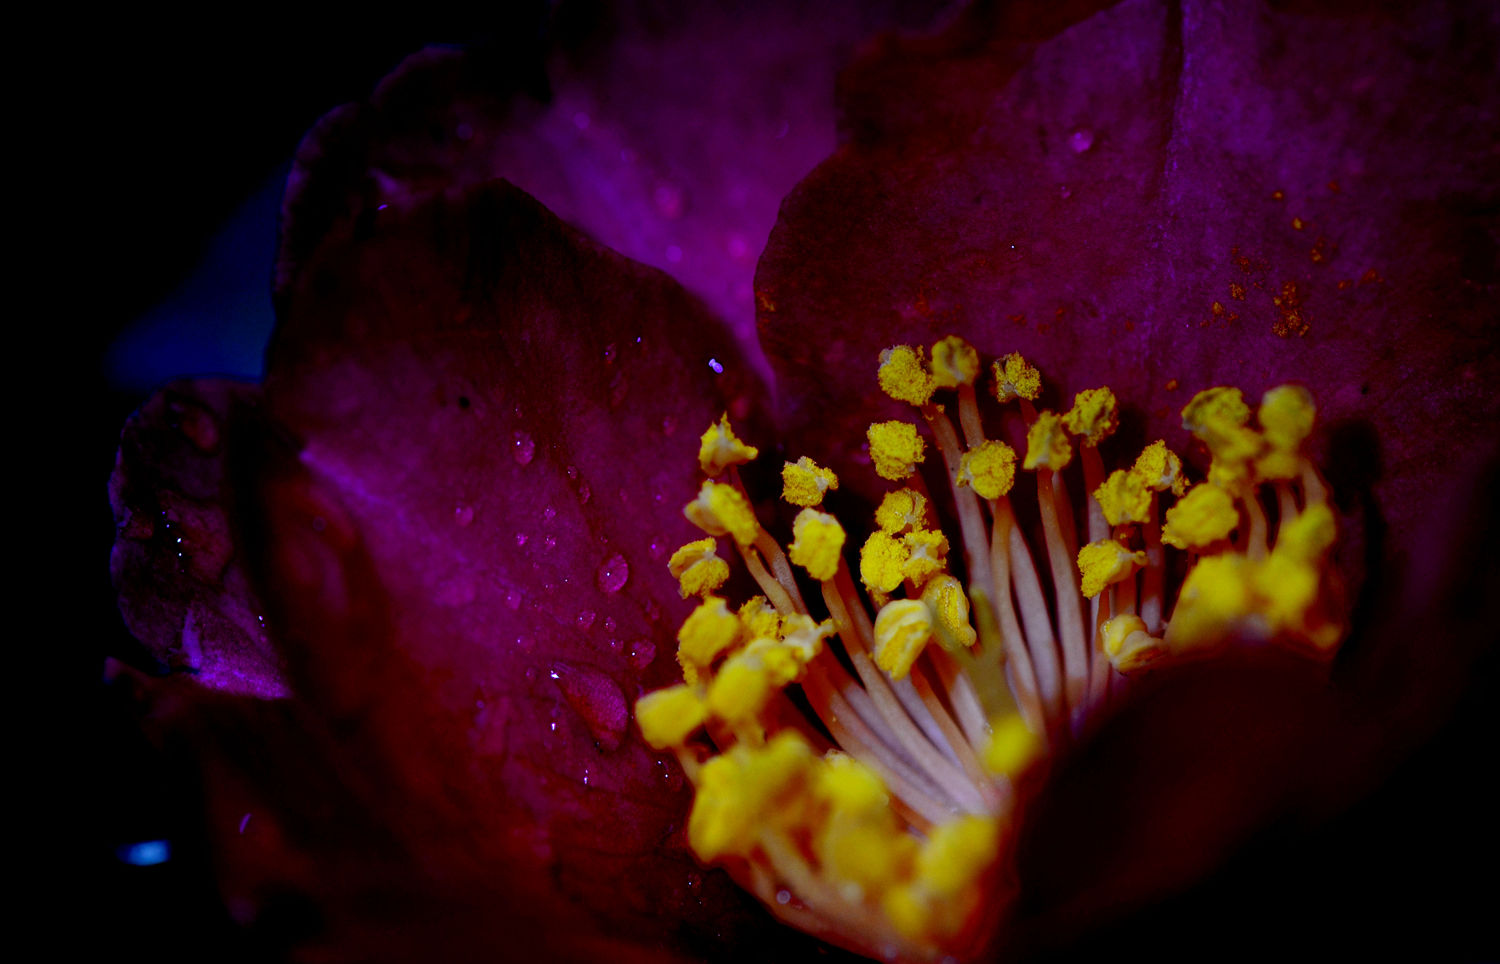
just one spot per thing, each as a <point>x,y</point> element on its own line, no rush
<point>1163,198</point>
<point>464,544</point>
<point>183,587</point>
<point>667,132</point>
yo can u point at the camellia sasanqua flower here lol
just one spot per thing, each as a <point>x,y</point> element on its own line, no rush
<point>421,574</point>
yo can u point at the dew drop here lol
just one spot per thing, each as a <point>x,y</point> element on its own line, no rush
<point>512,600</point>
<point>463,515</point>
<point>716,365</point>
<point>613,573</point>
<point>783,897</point>
<point>530,674</point>
<point>521,538</point>
<point>549,543</point>
<point>1081,140</point>
<point>548,514</point>
<point>524,449</point>
<point>1064,192</point>
<point>609,624</point>
<point>572,472</point>
<point>585,620</point>
<point>609,353</point>
<point>657,550</point>
<point>642,652</point>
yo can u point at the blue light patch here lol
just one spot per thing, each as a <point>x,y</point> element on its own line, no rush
<point>147,853</point>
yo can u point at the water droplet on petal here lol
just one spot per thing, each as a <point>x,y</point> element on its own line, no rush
<point>609,353</point>
<point>549,543</point>
<point>613,573</point>
<point>463,515</point>
<point>642,652</point>
<point>512,600</point>
<point>523,448</point>
<point>1081,140</point>
<point>572,472</point>
<point>1064,192</point>
<point>521,538</point>
<point>548,514</point>
<point>609,624</point>
<point>657,550</point>
<point>716,365</point>
<point>585,619</point>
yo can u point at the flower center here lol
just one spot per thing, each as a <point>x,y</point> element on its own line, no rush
<point>861,775</point>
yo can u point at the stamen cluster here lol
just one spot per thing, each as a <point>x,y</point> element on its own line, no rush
<point>861,773</point>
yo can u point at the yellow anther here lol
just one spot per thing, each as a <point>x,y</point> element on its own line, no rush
<point>927,555</point>
<point>1094,415</point>
<point>719,449</point>
<point>1128,645</point>
<point>1124,497</point>
<point>1217,416</point>
<point>945,897</point>
<point>1011,747</point>
<point>904,375</point>
<point>740,689</point>
<point>850,787</point>
<point>1202,517</point>
<point>721,510</point>
<point>882,562</point>
<point>760,619</point>
<point>901,511</point>
<point>1308,536</point>
<point>990,469</point>
<point>782,663</point>
<point>1286,588</point>
<point>896,449</point>
<point>1161,469</point>
<point>1216,596</point>
<point>944,595</point>
<point>745,791</point>
<point>1047,445</point>
<point>1104,563</point>
<point>667,717</point>
<point>957,853</point>
<point>697,569</point>
<point>1286,417</point>
<point>865,857</point>
<point>805,637</point>
<point>804,482</point>
<point>1287,413</point>
<point>902,630</point>
<point>954,363</point>
<point>1014,378</point>
<point>708,631</point>
<point>1214,410</point>
<point>817,541</point>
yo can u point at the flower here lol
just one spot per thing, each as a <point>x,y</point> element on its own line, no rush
<point>462,457</point>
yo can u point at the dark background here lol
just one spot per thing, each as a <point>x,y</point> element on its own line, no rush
<point>172,140</point>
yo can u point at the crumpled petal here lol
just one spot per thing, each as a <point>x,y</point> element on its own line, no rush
<point>183,586</point>
<point>669,132</point>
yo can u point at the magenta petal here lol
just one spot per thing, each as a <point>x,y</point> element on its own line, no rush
<point>183,586</point>
<point>465,547</point>
<point>1165,198</point>
<point>669,132</point>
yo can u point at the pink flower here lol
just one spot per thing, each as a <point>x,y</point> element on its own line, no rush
<point>420,574</point>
